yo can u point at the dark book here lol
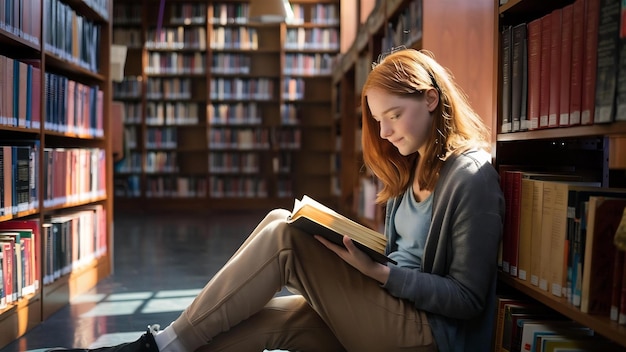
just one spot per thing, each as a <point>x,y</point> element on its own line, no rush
<point>517,76</point>
<point>604,216</point>
<point>620,114</point>
<point>607,62</point>
<point>507,46</point>
<point>316,219</point>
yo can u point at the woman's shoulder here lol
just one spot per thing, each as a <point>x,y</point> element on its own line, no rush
<point>472,160</point>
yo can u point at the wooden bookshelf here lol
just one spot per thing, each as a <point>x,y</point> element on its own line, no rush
<point>585,148</point>
<point>39,112</point>
<point>261,129</point>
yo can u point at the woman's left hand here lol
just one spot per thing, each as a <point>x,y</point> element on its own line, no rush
<point>357,258</point>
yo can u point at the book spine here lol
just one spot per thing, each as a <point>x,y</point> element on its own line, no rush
<point>555,70</point>
<point>546,72</point>
<point>566,65</point>
<point>534,73</point>
<point>590,58</point>
<point>608,42</point>
<point>507,44</point>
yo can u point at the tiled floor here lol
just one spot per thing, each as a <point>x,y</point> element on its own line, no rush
<point>161,262</point>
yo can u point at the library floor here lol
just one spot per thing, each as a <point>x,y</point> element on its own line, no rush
<point>160,264</point>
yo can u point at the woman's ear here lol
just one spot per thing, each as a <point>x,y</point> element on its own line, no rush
<point>432,99</point>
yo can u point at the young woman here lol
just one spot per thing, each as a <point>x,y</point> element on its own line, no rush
<point>444,216</point>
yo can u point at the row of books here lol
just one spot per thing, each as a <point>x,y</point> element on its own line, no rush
<point>129,88</point>
<point>406,29</point>
<point>229,63</point>
<point>197,187</point>
<point>229,186</point>
<point>312,39</point>
<point>130,13</point>
<point>161,162</point>
<point>19,259</point>
<point>73,107</point>
<point>71,240</point>
<point>160,138</point>
<point>242,89</point>
<point>128,37</point>
<point>168,88</point>
<point>308,64</point>
<point>180,37</point>
<point>73,175</point>
<point>559,234</point>
<point>247,138</point>
<point>232,162</point>
<point>240,38</point>
<point>176,63</point>
<point>323,14</point>
<point>563,68</point>
<point>18,165</point>
<point>20,88</point>
<point>21,18</point>
<point>526,326</point>
<point>239,113</point>
<point>170,114</point>
<point>176,187</point>
<point>71,36</point>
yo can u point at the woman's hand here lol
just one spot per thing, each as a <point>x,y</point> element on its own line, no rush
<point>357,258</point>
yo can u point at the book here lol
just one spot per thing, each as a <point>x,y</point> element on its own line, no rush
<point>544,69</point>
<point>530,331</point>
<point>589,63</point>
<point>616,288</point>
<point>620,114</point>
<point>534,73</point>
<point>607,61</point>
<point>576,83</point>
<point>507,47</point>
<point>567,20</point>
<point>518,76</point>
<point>603,217</point>
<point>317,219</point>
<point>556,41</point>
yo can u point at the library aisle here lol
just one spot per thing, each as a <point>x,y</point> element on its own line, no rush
<point>161,263</point>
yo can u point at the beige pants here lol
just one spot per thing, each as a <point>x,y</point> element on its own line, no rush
<point>334,307</point>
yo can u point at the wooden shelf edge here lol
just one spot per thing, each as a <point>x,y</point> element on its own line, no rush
<point>600,324</point>
<point>615,128</point>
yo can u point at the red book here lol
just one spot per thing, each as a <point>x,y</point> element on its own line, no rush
<point>567,21</point>
<point>513,193</point>
<point>555,69</point>
<point>544,68</point>
<point>576,81</point>
<point>534,73</point>
<point>590,59</point>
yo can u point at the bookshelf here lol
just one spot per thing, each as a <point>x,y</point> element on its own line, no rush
<point>250,126</point>
<point>572,139</point>
<point>436,26</point>
<point>57,171</point>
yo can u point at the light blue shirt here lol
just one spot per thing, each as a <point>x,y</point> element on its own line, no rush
<point>412,221</point>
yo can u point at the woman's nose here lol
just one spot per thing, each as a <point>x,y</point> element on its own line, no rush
<point>385,130</point>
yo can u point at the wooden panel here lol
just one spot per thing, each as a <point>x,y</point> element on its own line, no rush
<point>617,152</point>
<point>460,34</point>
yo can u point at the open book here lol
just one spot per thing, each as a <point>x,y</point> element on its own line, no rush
<point>317,219</point>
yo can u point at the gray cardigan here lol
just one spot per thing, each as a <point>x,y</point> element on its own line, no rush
<point>456,285</point>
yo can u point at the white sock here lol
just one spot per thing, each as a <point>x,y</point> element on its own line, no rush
<point>167,341</point>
